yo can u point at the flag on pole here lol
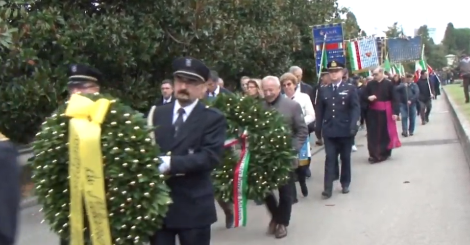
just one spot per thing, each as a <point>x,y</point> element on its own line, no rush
<point>387,66</point>
<point>420,66</point>
<point>324,61</point>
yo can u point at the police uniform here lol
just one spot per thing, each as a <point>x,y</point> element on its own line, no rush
<point>338,111</point>
<point>79,75</point>
<point>194,135</point>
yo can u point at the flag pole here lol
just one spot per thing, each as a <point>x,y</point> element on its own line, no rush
<point>321,59</point>
<point>427,78</point>
<point>323,51</point>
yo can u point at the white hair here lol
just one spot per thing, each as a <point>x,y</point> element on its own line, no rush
<point>271,79</point>
<point>293,69</point>
<point>379,68</point>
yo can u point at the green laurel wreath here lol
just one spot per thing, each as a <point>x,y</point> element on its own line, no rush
<point>137,196</point>
<point>269,142</point>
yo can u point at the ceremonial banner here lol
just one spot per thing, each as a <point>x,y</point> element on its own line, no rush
<point>333,43</point>
<point>404,49</point>
<point>362,54</point>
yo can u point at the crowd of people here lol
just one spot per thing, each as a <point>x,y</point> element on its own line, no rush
<point>332,112</point>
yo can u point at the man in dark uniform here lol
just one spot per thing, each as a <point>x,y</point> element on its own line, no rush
<point>9,191</point>
<point>85,80</point>
<point>193,135</point>
<point>338,112</point>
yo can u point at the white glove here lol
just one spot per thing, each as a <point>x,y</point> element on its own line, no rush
<point>165,166</point>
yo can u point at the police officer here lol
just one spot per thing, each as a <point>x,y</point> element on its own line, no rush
<point>195,136</point>
<point>10,191</point>
<point>338,111</point>
<point>85,80</point>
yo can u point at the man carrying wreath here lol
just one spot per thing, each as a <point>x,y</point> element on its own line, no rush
<point>193,137</point>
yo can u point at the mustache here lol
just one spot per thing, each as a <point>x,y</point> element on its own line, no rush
<point>185,92</point>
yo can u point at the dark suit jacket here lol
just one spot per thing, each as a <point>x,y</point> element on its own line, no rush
<point>159,101</point>
<point>222,91</point>
<point>9,192</point>
<point>337,111</point>
<point>307,89</point>
<point>225,91</point>
<point>195,152</point>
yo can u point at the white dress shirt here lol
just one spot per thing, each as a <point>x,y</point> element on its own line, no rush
<point>166,160</point>
<point>215,93</point>
<point>166,101</point>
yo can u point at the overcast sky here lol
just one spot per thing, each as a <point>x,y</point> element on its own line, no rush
<point>411,14</point>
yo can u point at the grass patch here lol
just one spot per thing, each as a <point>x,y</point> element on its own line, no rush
<point>455,91</point>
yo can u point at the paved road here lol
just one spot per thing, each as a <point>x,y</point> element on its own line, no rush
<point>420,196</point>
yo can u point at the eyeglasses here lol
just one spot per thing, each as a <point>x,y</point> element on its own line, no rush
<point>287,84</point>
<point>375,74</point>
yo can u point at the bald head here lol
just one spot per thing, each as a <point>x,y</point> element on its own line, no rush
<point>378,73</point>
<point>221,82</point>
<point>297,71</point>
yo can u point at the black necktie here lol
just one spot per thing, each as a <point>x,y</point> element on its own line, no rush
<point>179,120</point>
<point>334,88</point>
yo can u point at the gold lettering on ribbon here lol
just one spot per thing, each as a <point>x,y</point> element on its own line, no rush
<point>86,170</point>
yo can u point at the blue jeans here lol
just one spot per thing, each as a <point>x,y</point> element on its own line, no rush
<point>408,117</point>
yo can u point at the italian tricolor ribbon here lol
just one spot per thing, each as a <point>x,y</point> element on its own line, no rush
<point>240,180</point>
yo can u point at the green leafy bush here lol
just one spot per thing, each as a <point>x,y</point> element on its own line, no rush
<point>133,44</point>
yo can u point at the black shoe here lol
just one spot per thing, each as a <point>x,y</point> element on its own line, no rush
<point>295,201</point>
<point>411,134</point>
<point>326,194</point>
<point>229,220</point>
<point>404,134</point>
<point>304,189</point>
<point>345,190</point>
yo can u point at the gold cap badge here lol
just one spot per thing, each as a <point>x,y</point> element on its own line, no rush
<point>333,64</point>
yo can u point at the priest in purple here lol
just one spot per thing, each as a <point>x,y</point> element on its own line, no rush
<point>383,110</point>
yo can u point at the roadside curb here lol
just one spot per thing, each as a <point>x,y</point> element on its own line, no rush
<point>462,126</point>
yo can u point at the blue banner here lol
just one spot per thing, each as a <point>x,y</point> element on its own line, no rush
<point>404,49</point>
<point>334,43</point>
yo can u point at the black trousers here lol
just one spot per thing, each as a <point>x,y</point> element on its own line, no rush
<point>425,107</point>
<point>199,236</point>
<point>335,147</point>
<point>281,211</point>
<point>226,207</point>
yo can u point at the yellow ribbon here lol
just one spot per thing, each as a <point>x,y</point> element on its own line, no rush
<point>86,169</point>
